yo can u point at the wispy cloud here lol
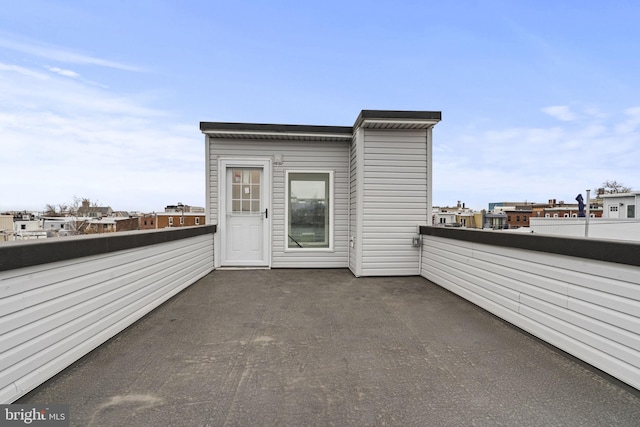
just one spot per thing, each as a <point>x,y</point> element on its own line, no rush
<point>62,72</point>
<point>631,123</point>
<point>560,112</point>
<point>22,70</point>
<point>66,137</point>
<point>538,163</point>
<point>25,88</point>
<point>62,55</point>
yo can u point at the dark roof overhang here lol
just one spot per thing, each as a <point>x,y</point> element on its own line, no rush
<point>276,131</point>
<point>394,119</point>
<point>371,119</point>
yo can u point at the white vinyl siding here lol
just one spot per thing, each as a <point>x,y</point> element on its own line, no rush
<point>588,308</point>
<point>55,313</point>
<point>394,198</point>
<point>354,214</point>
<point>298,156</point>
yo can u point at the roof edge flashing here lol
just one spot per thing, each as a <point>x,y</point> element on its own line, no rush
<point>379,119</point>
<point>283,135</point>
<point>260,128</point>
<point>425,118</point>
<point>376,123</point>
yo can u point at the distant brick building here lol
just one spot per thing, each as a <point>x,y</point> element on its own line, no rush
<point>147,221</point>
<point>518,218</point>
<point>561,209</point>
<point>127,224</point>
<point>171,219</point>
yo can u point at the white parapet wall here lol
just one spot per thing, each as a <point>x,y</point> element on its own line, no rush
<point>56,308</point>
<point>599,228</point>
<point>580,295</point>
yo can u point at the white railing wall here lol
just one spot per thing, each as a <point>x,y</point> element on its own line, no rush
<point>599,228</point>
<point>53,313</point>
<point>587,305</point>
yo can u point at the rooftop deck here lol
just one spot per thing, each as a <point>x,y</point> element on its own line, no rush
<point>320,347</point>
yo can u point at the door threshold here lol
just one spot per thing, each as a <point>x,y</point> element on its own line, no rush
<point>229,267</point>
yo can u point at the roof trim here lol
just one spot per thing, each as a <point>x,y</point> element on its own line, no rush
<point>626,194</point>
<point>412,118</point>
<point>278,135</point>
<point>257,130</point>
<point>378,119</point>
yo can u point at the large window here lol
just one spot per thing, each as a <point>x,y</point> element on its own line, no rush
<point>310,210</point>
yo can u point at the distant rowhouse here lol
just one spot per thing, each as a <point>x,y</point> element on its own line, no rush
<point>621,205</point>
<point>170,219</point>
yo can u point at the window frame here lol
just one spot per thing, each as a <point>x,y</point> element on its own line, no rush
<point>331,225</point>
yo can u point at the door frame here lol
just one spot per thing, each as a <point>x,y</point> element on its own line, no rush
<point>250,162</point>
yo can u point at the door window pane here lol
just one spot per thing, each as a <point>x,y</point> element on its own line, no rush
<point>309,209</point>
<point>245,190</point>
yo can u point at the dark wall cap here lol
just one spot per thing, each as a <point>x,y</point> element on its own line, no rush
<point>28,253</point>
<point>618,251</point>
<point>269,128</point>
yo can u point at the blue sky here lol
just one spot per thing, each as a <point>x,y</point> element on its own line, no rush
<point>540,99</point>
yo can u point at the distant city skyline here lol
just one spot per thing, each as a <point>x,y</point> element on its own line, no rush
<point>102,100</point>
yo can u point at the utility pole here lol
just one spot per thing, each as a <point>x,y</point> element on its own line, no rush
<point>586,222</point>
<point>181,206</point>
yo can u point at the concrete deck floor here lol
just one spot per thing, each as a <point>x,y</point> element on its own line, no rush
<point>320,347</point>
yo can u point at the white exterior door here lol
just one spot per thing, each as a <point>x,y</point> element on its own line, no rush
<point>614,210</point>
<point>245,213</point>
